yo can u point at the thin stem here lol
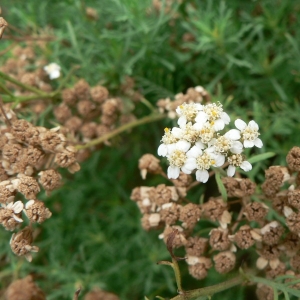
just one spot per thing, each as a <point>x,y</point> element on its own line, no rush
<point>6,90</point>
<point>177,275</point>
<point>209,291</point>
<point>20,84</point>
<point>145,120</point>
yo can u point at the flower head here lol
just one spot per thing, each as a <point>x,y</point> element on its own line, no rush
<point>53,70</point>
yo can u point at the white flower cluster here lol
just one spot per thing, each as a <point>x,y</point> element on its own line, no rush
<point>197,144</point>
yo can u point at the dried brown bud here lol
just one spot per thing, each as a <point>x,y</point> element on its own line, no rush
<point>255,211</point>
<point>20,243</point>
<point>62,113</point>
<point>111,106</point>
<point>293,159</point>
<point>24,289</point>
<point>85,107</point>
<point>295,262</point>
<point>36,211</point>
<point>89,130</point>
<point>219,240</point>
<point>179,239</point>
<point>98,294</point>
<point>271,233</point>
<point>294,198</point>
<point>3,25</point>
<point>214,208</point>
<point>170,213</point>
<point>27,186</point>
<point>184,180</point>
<point>82,90</point>
<point>69,96</point>
<point>293,221</point>
<point>239,187</point>
<point>278,271</point>
<point>245,237</point>
<point>189,215</point>
<point>99,93</point>
<point>73,124</point>
<point>50,179</point>
<point>52,141</point>
<point>224,262</point>
<point>148,163</point>
<point>66,158</point>
<point>264,292</point>
<point>163,194</point>
<point>199,269</point>
<point>196,246</point>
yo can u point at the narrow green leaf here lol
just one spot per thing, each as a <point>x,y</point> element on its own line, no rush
<point>221,186</point>
<point>260,157</point>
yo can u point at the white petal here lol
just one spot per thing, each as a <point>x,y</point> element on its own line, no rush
<point>261,263</point>
<point>202,175</point>
<point>177,132</point>
<point>186,170</point>
<point>225,117</point>
<point>162,150</point>
<point>183,145</point>
<point>219,125</point>
<point>200,145</point>
<point>231,170</point>
<point>190,163</point>
<point>194,152</point>
<point>240,124</point>
<point>258,143</point>
<point>17,219</point>
<point>246,166</point>
<point>18,207</point>
<point>248,144</point>
<point>201,117</point>
<point>220,160</point>
<point>233,134</point>
<point>29,203</point>
<point>182,121</point>
<point>253,125</point>
<point>237,147</point>
<point>173,172</point>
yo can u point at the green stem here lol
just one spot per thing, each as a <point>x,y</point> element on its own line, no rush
<point>210,290</point>
<point>177,275</point>
<point>20,84</point>
<point>6,90</point>
<point>145,120</point>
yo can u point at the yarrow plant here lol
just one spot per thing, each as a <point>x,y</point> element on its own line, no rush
<point>197,143</point>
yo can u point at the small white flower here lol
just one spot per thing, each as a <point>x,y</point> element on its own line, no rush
<point>237,160</point>
<point>187,112</point>
<point>189,132</point>
<point>249,133</point>
<point>177,158</point>
<point>167,140</point>
<point>53,70</point>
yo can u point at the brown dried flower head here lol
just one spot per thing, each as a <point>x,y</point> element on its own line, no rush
<point>255,211</point>
<point>239,187</point>
<point>293,159</point>
<point>148,163</point>
<point>224,262</point>
<point>97,294</point>
<point>36,211</point>
<point>196,246</point>
<point>198,266</point>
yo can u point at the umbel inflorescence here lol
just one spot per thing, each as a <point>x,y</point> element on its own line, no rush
<point>262,220</point>
<point>197,143</point>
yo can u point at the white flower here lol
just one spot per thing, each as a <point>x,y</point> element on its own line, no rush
<point>177,158</point>
<point>223,144</point>
<point>189,132</point>
<point>249,133</point>
<point>237,160</point>
<point>187,112</point>
<point>202,161</point>
<point>214,114</point>
<point>167,140</point>
<point>53,70</point>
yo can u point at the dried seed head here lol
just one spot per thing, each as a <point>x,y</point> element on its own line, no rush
<point>111,106</point>
<point>291,244</point>
<point>10,215</point>
<point>214,208</point>
<point>11,152</point>
<point>82,90</point>
<point>69,96</point>
<point>224,262</point>
<point>163,194</point>
<point>170,213</point>
<point>293,159</point>
<point>148,163</point>
<point>199,270</point>
<point>52,141</point>
<point>196,246</point>
<point>255,211</point>
<point>264,292</point>
<point>20,243</point>
<point>98,294</point>
<point>280,201</point>
<point>295,262</point>
<point>219,240</point>
<point>36,211</point>
<point>21,130</point>
<point>245,237</point>
<point>272,232</point>
<point>99,93</point>
<point>102,130</point>
<point>269,252</point>
<point>239,187</point>
<point>150,221</point>
<point>66,158</point>
<point>184,180</point>
<point>73,124</point>
<point>27,186</point>
<point>3,25</point>
<point>85,107</point>
<point>189,215</point>
<point>89,130</point>
<point>7,192</point>
<point>180,238</point>
<point>293,221</point>
<point>278,271</point>
<point>294,198</point>
<point>275,177</point>
<point>62,113</point>
<point>24,289</point>
<point>50,179</point>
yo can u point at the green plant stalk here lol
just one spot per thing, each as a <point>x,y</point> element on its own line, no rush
<point>20,84</point>
<point>210,290</point>
<point>6,90</point>
<point>177,275</point>
<point>148,119</point>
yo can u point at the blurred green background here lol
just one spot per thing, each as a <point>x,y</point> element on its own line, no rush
<point>246,53</point>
